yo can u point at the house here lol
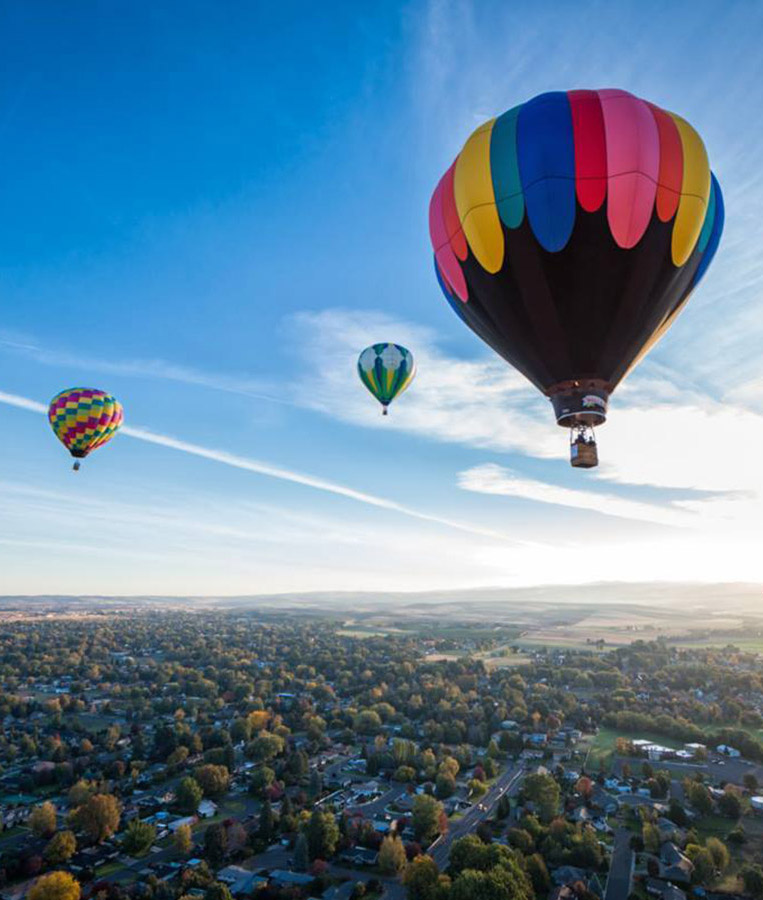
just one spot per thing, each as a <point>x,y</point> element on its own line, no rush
<point>675,866</point>
<point>206,809</point>
<point>669,831</point>
<point>757,805</point>
<point>360,856</point>
<point>655,887</point>
<point>694,748</point>
<point>178,823</point>
<point>286,878</point>
<point>728,751</point>
<point>240,881</point>
<point>567,875</point>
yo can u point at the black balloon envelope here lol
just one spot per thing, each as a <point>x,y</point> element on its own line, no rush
<point>568,234</point>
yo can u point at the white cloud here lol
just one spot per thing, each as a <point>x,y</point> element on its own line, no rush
<point>494,479</point>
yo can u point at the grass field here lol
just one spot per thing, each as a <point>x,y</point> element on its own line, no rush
<point>602,747</point>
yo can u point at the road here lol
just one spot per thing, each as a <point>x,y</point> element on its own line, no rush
<point>507,782</point>
<point>620,868</point>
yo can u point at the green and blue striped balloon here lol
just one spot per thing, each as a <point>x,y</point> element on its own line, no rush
<point>386,370</point>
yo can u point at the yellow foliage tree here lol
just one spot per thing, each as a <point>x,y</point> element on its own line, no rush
<point>55,886</point>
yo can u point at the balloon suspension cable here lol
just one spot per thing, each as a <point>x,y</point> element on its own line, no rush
<point>76,465</point>
<point>583,451</point>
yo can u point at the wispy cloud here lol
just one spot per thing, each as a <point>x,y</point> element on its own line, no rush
<point>494,479</point>
<point>262,468</point>
<point>162,369</point>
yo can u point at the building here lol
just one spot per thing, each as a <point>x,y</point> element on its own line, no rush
<point>728,751</point>
<point>206,809</point>
<point>240,881</point>
<point>285,878</point>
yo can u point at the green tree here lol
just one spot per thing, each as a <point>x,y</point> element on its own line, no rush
<point>267,825</point>
<point>218,891</point>
<point>301,853</point>
<point>99,816</point>
<point>719,852</point>
<point>699,797</point>
<point>42,820</point>
<point>750,782</point>
<point>421,878</point>
<point>213,780</point>
<point>536,869</point>
<point>139,836</point>
<point>752,877</point>
<point>392,855</point>
<point>426,818</point>
<point>445,785</point>
<point>504,882</point>
<point>704,867</point>
<point>543,791</point>
<point>322,835</point>
<point>60,848</point>
<point>215,845</point>
<point>183,840</point>
<point>729,804</point>
<point>476,788</point>
<point>521,840</point>
<point>265,746</point>
<point>262,778</point>
<point>651,836</point>
<point>188,795</point>
<point>55,886</point>
<point>367,722</point>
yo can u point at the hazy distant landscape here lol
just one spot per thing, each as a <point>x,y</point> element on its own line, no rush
<point>567,616</point>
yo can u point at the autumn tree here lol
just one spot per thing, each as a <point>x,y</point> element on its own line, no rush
<point>42,820</point>
<point>213,780</point>
<point>99,816</point>
<point>183,840</point>
<point>60,848</point>
<point>322,835</point>
<point>55,886</point>
<point>719,852</point>
<point>392,855</point>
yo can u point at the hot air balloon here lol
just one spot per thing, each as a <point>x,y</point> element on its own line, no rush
<point>568,234</point>
<point>386,370</point>
<point>84,419</point>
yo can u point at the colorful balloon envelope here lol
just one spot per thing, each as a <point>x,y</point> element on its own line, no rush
<point>84,419</point>
<point>569,233</point>
<point>386,370</point>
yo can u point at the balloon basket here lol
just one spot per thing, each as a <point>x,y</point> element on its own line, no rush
<point>583,451</point>
<point>385,411</point>
<point>76,466</point>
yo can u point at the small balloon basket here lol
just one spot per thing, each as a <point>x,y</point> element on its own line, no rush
<point>583,451</point>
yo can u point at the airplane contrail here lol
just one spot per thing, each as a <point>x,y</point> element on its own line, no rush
<point>271,471</point>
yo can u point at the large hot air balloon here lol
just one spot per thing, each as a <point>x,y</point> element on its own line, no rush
<point>386,370</point>
<point>84,419</point>
<point>568,234</point>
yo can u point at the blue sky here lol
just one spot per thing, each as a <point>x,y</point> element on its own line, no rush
<point>209,209</point>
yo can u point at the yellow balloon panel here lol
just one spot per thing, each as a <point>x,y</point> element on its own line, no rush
<point>695,193</point>
<point>475,200</point>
